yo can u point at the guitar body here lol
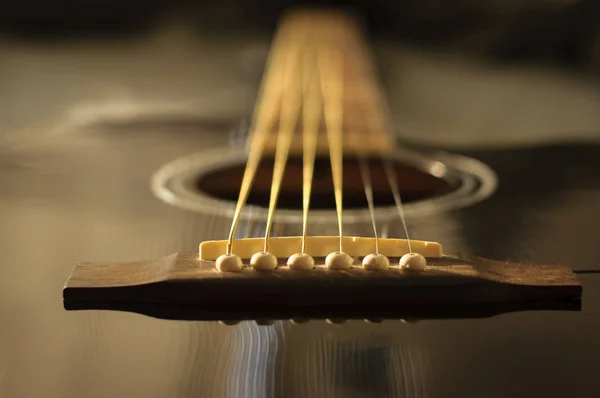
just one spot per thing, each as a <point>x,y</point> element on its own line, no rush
<point>82,192</point>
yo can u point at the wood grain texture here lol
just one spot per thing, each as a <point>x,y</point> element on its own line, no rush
<point>451,286</point>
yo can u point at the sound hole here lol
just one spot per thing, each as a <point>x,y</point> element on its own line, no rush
<point>415,184</point>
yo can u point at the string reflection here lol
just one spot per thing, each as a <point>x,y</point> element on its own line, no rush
<point>317,359</point>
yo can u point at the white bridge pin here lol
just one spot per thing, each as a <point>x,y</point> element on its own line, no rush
<point>376,262</point>
<point>263,261</point>
<point>301,261</point>
<point>229,263</point>
<point>338,261</point>
<point>413,262</point>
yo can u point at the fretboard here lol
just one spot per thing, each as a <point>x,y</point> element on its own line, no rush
<point>307,47</point>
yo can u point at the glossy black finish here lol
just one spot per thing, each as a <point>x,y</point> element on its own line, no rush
<point>85,196</point>
<point>84,125</point>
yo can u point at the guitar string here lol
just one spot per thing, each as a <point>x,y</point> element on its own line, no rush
<point>365,173</point>
<point>384,123</point>
<point>291,101</point>
<point>331,64</point>
<point>312,109</point>
<point>331,61</point>
<point>264,117</point>
<point>391,176</point>
<point>393,182</point>
<point>363,163</point>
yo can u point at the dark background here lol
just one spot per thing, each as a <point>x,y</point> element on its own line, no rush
<point>563,32</point>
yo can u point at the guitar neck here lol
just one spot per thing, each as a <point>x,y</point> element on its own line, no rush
<point>308,44</point>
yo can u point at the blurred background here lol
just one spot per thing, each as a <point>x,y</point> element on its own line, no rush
<point>457,73</point>
<point>96,95</point>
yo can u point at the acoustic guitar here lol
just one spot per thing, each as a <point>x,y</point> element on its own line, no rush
<point>310,254</point>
